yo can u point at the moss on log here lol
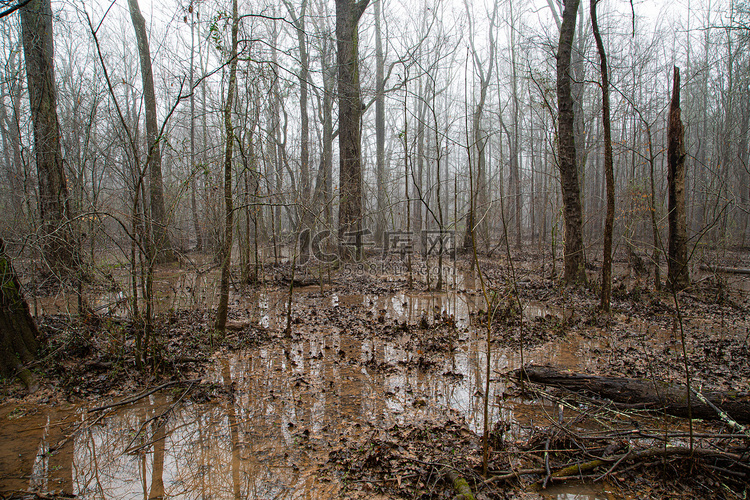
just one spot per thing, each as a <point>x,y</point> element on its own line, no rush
<point>460,485</point>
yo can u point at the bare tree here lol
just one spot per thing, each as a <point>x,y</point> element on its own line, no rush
<point>606,291</point>
<point>159,217</point>
<point>226,249</point>
<point>574,261</point>
<point>193,170</point>
<point>477,219</point>
<point>298,19</point>
<point>348,13</point>
<point>54,205</point>
<point>379,124</point>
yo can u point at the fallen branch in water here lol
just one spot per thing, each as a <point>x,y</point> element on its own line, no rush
<point>145,394</point>
<point>641,393</point>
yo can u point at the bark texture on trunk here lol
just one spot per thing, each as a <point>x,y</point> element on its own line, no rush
<point>677,260</point>
<point>57,246</point>
<point>226,249</point>
<point>348,14</point>
<point>380,216</point>
<point>18,332</point>
<point>153,160</point>
<point>606,292</point>
<point>573,212</point>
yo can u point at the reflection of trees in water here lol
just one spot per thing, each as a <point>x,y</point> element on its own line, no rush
<point>203,450</point>
<point>284,402</point>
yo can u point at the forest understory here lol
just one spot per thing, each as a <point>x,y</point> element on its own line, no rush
<point>378,391</point>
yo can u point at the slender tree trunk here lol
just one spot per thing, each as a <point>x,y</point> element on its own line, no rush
<point>348,13</point>
<point>678,273</point>
<point>379,125</point>
<point>193,170</point>
<point>743,155</point>
<point>327,160</point>
<point>515,141</point>
<point>305,200</point>
<point>574,262</point>
<point>163,246</point>
<point>656,254</point>
<point>226,252</point>
<point>606,292</point>
<point>57,247</point>
<point>418,177</point>
<point>479,139</point>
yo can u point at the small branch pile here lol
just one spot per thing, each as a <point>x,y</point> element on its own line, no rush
<point>590,440</point>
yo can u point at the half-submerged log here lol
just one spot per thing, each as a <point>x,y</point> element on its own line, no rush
<point>18,332</point>
<point>655,395</point>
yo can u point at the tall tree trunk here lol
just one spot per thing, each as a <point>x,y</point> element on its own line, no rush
<point>574,262</point>
<point>226,251</point>
<point>18,333</point>
<point>193,169</point>
<point>379,125</point>
<point>299,24</point>
<point>743,155</point>
<point>327,159</point>
<point>58,248</point>
<point>418,176</point>
<point>163,246</point>
<point>515,167</point>
<point>606,292</point>
<point>478,221</point>
<point>348,13</point>
<point>656,240</point>
<point>677,260</point>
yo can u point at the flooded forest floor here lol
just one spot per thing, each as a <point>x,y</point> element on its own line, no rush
<point>372,389</point>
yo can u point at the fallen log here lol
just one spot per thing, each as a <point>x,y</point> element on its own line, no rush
<point>460,485</point>
<point>575,470</point>
<point>727,270</point>
<point>655,395</point>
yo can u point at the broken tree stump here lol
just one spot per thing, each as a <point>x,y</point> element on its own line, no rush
<point>654,395</point>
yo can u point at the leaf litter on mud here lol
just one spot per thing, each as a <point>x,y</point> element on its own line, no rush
<point>405,454</point>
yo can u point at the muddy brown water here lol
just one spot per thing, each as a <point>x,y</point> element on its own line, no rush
<point>292,403</point>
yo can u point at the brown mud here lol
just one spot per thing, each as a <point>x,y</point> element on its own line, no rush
<point>376,394</point>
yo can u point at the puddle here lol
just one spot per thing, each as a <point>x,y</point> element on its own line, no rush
<point>292,403</point>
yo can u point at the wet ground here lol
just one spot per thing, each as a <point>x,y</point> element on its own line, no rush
<point>367,381</point>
